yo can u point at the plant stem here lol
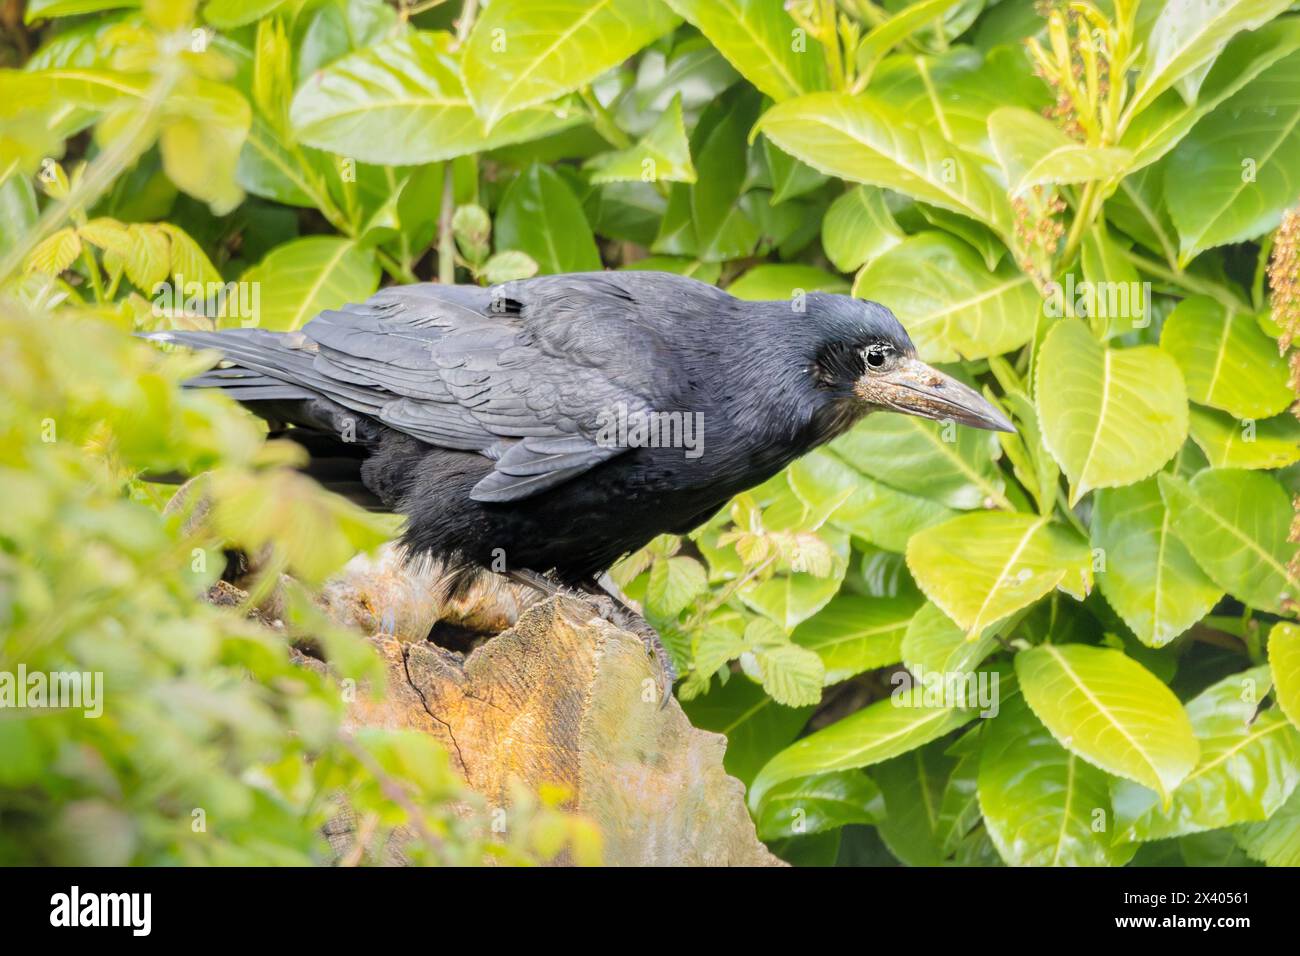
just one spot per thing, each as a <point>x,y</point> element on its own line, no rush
<point>446,241</point>
<point>394,268</point>
<point>1187,282</point>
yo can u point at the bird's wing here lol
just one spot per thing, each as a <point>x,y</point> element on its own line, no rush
<point>457,367</point>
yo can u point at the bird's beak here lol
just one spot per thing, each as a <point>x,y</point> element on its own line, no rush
<point>914,388</point>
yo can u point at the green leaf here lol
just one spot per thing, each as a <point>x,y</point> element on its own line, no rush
<point>1042,803</point>
<point>1276,841</point>
<point>508,266</point>
<point>873,511</point>
<point>1229,443</point>
<point>663,154</point>
<point>1249,766</point>
<point>789,599</point>
<point>862,139</point>
<point>1110,710</point>
<point>1110,416</point>
<point>1235,525</point>
<point>1284,659</point>
<point>400,102</point>
<point>788,281</point>
<point>953,305</point>
<point>981,567</point>
<point>853,634</point>
<point>1160,127</point>
<point>953,465</point>
<point>522,52</point>
<point>1035,152</point>
<point>300,279</point>
<point>227,14</point>
<point>49,9</point>
<point>934,644</point>
<point>792,675</point>
<point>540,216</point>
<point>887,34</point>
<point>819,803</point>
<point>858,227</point>
<point>756,727</point>
<point>757,38</point>
<point>913,786</point>
<point>55,253</point>
<point>722,229</point>
<point>1150,579</point>
<point>955,92</point>
<point>1187,33</point>
<point>674,583</point>
<point>871,735</point>
<point>1227,360</point>
<point>1231,178</point>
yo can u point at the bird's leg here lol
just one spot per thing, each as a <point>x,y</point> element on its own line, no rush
<point>629,620</point>
<point>603,604</point>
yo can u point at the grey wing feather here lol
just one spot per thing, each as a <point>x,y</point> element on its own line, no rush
<point>442,364</point>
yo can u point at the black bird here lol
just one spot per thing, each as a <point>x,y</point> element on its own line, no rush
<point>514,426</point>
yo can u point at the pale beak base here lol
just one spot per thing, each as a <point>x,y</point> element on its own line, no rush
<point>914,388</point>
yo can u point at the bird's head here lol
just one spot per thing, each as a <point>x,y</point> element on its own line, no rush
<point>866,361</point>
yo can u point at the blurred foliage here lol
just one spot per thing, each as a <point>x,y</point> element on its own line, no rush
<point>1074,207</point>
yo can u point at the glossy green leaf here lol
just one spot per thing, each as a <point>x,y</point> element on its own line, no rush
<point>663,154</point>
<point>934,644</point>
<point>522,52</point>
<point>1187,33</point>
<point>913,787</point>
<point>540,216</point>
<point>789,599</point>
<point>1110,710</point>
<point>1150,579</point>
<point>858,227</point>
<point>869,509</point>
<point>981,567</point>
<point>756,727</point>
<point>758,38</point>
<point>787,281</point>
<point>227,14</point>
<point>1226,359</point>
<point>853,634</point>
<point>1042,804</point>
<point>953,465</point>
<point>1160,127</point>
<point>1284,660</point>
<point>300,279</point>
<point>1235,525</point>
<point>1229,443</point>
<point>951,303</point>
<point>1277,840</point>
<point>1035,152</point>
<point>871,735</point>
<point>401,102</point>
<point>863,139</point>
<point>819,803</point>
<point>1110,417</point>
<point>1249,766</point>
<point>1231,178</point>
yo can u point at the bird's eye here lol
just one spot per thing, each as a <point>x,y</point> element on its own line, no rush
<point>877,355</point>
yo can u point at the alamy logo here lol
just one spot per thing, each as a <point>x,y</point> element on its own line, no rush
<point>212,300</point>
<point>1103,300</point>
<point>103,909</point>
<point>618,427</point>
<point>74,690</point>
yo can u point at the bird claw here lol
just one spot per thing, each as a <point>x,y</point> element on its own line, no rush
<point>628,620</point>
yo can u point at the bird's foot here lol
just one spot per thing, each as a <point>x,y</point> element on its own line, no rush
<point>626,619</point>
